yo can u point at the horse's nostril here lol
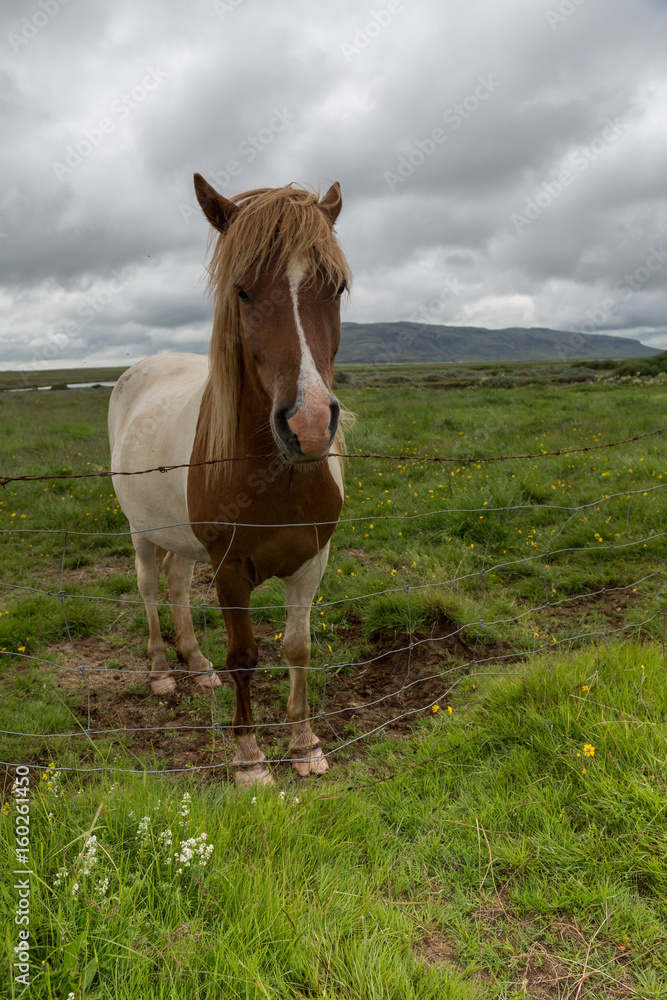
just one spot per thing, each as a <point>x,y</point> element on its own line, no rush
<point>280,417</point>
<point>334,409</point>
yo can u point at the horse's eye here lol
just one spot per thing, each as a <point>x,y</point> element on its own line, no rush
<point>244,297</point>
<point>343,288</point>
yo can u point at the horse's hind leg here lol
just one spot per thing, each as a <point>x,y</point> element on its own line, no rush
<point>305,749</point>
<point>178,571</point>
<point>147,580</point>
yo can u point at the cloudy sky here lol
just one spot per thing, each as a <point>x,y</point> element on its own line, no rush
<point>502,164</point>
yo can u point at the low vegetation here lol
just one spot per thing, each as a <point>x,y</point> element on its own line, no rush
<point>503,837</point>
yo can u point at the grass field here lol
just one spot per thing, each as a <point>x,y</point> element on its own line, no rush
<point>504,836</point>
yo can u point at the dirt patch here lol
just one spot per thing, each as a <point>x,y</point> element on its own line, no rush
<point>546,974</point>
<point>86,573</point>
<point>358,554</point>
<point>551,960</point>
<point>398,683</point>
<point>393,688</point>
<point>438,950</point>
<point>613,603</point>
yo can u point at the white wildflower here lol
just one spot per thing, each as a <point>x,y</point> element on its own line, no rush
<point>195,849</point>
<point>185,805</point>
<point>142,829</point>
<point>103,885</point>
<point>75,888</point>
<point>51,780</point>
<point>132,814</point>
<point>165,842</point>
<point>296,800</point>
<point>253,801</point>
<point>60,876</point>
<point>89,854</point>
<point>50,817</point>
<point>281,796</point>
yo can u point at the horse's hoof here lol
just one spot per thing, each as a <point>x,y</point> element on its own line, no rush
<point>163,685</point>
<point>309,760</point>
<point>252,775</point>
<point>208,681</point>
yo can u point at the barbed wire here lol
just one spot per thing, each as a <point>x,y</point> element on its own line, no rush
<point>478,662</point>
<point>465,460</point>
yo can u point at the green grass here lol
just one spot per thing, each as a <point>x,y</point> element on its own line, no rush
<point>472,857</point>
<point>487,836</point>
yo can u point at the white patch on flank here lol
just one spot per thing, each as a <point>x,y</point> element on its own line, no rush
<point>309,379</point>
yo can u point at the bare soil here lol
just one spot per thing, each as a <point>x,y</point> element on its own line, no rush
<point>550,962</point>
<point>390,691</point>
<point>393,688</point>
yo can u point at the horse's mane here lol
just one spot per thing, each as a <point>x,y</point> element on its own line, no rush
<point>272,227</point>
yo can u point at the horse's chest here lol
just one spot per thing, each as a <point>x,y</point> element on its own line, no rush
<point>270,531</point>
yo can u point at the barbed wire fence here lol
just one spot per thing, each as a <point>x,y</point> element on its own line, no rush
<point>474,659</point>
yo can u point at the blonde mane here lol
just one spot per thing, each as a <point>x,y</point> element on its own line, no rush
<point>272,227</point>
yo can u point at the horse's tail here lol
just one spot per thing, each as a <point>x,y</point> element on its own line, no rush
<point>159,556</point>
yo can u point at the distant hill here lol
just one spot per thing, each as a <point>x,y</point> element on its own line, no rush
<point>380,343</point>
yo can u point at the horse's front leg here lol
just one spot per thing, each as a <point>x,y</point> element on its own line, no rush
<point>305,748</point>
<point>249,764</point>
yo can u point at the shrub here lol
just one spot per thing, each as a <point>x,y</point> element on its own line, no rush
<point>644,367</point>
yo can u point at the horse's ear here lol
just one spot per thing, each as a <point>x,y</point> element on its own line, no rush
<point>218,210</point>
<point>332,202</point>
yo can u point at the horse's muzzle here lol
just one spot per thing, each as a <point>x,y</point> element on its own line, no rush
<point>305,433</point>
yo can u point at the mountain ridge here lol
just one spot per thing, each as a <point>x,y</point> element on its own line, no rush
<point>406,342</point>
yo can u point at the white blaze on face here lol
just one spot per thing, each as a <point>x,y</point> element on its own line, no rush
<point>312,416</point>
<point>310,380</point>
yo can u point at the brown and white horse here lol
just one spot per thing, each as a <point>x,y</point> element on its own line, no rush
<point>277,273</point>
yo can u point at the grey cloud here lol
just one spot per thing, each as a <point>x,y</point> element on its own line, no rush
<point>359,102</point>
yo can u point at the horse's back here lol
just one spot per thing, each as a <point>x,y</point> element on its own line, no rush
<point>150,385</point>
<point>153,414</point>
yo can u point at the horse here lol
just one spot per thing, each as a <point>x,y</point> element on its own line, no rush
<point>259,492</point>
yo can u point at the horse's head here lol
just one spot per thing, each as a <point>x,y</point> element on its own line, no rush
<point>279,276</point>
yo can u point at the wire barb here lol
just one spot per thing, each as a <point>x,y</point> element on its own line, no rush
<point>5,480</point>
